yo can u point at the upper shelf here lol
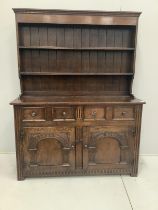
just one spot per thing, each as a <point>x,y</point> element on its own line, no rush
<point>76,73</point>
<point>83,48</point>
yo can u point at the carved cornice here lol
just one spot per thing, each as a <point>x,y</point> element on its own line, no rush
<point>78,12</point>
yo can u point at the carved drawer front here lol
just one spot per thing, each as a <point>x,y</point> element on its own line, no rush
<point>63,113</point>
<point>123,113</point>
<point>48,149</point>
<point>94,113</point>
<point>34,114</point>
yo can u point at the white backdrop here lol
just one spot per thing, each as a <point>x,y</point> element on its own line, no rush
<point>145,84</point>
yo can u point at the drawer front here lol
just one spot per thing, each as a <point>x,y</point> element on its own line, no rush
<point>34,114</point>
<point>94,113</point>
<point>63,113</point>
<point>123,113</point>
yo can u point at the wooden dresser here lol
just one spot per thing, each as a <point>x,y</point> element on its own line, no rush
<point>76,114</point>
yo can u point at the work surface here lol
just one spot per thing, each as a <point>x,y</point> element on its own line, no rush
<point>29,100</point>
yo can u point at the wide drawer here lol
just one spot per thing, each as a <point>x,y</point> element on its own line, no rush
<point>34,114</point>
<point>94,113</point>
<point>63,113</point>
<point>123,113</point>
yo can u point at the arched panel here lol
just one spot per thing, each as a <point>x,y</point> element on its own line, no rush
<point>49,152</point>
<point>118,136</point>
<point>61,137</point>
<point>107,150</point>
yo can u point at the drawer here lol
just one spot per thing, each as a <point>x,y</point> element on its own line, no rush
<point>34,114</point>
<point>63,113</point>
<point>94,113</point>
<point>123,113</point>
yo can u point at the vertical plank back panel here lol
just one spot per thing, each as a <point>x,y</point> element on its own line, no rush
<point>78,60</point>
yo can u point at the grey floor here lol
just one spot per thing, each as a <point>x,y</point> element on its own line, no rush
<point>80,193</point>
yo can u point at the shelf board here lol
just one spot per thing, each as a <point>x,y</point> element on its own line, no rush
<point>83,48</point>
<point>64,73</point>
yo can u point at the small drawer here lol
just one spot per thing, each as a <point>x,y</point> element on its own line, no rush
<point>34,114</point>
<point>63,113</point>
<point>94,113</point>
<point>123,113</point>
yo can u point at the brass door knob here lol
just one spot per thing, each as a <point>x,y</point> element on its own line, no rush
<point>72,146</point>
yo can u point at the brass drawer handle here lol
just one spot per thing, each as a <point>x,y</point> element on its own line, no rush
<point>64,113</point>
<point>33,114</point>
<point>94,113</point>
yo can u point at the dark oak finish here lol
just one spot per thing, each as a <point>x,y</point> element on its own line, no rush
<point>76,114</point>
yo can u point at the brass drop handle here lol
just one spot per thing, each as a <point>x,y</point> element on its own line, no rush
<point>123,113</point>
<point>33,114</point>
<point>94,113</point>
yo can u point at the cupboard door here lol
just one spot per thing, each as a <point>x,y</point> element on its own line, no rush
<point>49,149</point>
<point>107,147</point>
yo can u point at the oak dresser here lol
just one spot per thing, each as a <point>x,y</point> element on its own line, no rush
<point>76,114</point>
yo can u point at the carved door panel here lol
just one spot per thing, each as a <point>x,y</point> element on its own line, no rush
<point>107,147</point>
<point>49,147</point>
